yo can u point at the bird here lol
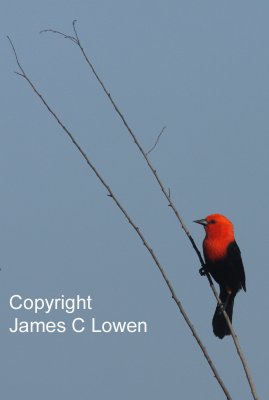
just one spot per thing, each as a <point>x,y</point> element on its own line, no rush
<point>224,263</point>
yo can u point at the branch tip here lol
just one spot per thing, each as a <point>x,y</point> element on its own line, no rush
<point>75,30</point>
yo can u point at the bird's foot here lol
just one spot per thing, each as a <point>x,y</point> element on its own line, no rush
<point>203,271</point>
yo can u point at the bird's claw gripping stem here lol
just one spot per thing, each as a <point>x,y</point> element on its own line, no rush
<point>203,271</point>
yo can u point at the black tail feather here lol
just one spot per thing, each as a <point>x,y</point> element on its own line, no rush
<point>220,327</point>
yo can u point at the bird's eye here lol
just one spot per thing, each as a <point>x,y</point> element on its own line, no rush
<point>213,221</point>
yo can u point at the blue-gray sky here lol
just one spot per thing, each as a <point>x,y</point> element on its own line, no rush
<point>201,70</point>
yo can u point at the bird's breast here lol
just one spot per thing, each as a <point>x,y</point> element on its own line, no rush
<point>214,249</point>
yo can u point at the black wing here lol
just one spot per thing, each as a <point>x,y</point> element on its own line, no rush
<point>234,255</point>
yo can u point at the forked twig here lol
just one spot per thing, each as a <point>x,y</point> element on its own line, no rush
<point>129,219</point>
<point>75,39</point>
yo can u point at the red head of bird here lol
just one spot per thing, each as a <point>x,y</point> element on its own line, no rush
<point>219,234</point>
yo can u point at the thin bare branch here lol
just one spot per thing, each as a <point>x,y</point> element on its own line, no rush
<point>120,114</point>
<point>18,73</point>
<point>74,29</point>
<point>59,33</point>
<point>131,222</point>
<point>156,142</point>
<point>173,207</point>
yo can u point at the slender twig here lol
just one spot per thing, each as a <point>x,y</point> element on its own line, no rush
<point>111,194</point>
<point>75,39</point>
<point>166,193</point>
<point>156,142</point>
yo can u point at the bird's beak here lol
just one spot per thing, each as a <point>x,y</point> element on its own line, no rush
<point>201,222</point>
